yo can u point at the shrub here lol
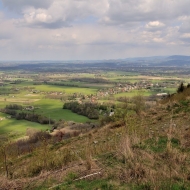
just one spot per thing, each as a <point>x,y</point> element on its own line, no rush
<point>139,104</point>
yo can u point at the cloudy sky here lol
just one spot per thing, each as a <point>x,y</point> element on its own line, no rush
<point>93,29</point>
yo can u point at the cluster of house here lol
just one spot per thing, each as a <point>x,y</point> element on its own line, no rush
<point>118,88</point>
<point>31,108</point>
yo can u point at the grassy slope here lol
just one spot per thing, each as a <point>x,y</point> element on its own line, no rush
<point>150,152</point>
<point>148,164</point>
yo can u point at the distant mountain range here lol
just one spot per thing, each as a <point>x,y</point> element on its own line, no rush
<point>174,60</point>
<point>154,61</point>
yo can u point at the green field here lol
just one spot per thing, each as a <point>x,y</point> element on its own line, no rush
<point>17,128</point>
<point>47,107</point>
<point>65,89</point>
<point>53,109</point>
<point>68,90</point>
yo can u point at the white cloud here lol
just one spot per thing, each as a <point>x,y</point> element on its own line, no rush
<point>158,40</point>
<point>58,13</point>
<point>38,16</point>
<point>155,24</point>
<point>184,18</point>
<point>186,35</point>
<point>81,29</point>
<point>122,12</point>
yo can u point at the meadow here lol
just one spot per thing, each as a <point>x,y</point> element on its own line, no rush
<point>17,128</point>
<point>54,110</point>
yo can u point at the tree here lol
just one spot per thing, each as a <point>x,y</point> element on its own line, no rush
<point>181,88</point>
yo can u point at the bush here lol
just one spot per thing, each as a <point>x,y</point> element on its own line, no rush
<point>14,107</point>
<point>39,136</point>
<point>139,103</point>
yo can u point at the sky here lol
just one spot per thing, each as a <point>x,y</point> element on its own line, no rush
<point>93,29</point>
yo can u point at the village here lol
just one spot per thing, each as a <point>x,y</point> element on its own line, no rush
<point>156,88</point>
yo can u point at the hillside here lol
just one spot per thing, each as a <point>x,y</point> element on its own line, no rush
<point>139,147</point>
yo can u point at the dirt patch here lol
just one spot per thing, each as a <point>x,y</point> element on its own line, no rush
<point>155,78</point>
<point>2,118</point>
<point>64,130</point>
<point>31,95</point>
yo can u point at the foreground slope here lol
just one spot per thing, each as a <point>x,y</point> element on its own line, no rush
<point>148,149</point>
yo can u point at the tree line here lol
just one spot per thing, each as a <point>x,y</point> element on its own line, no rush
<point>55,84</point>
<point>13,109</point>
<point>87,109</point>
